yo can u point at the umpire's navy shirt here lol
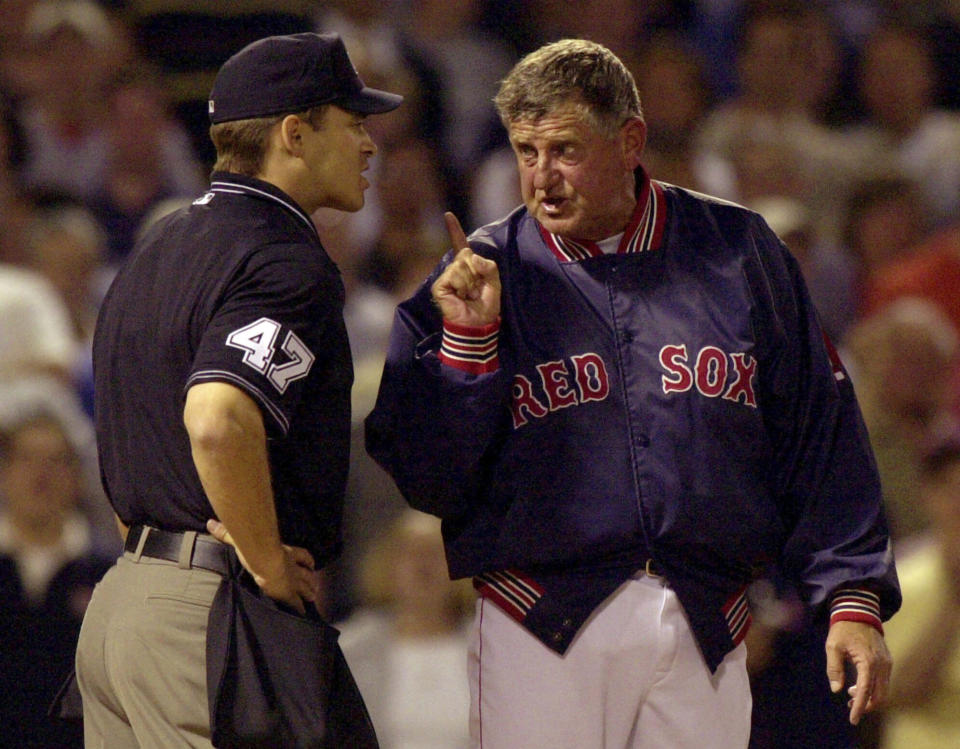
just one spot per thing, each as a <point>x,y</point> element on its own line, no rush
<point>235,288</point>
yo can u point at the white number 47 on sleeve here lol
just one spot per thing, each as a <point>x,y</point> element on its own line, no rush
<point>257,340</point>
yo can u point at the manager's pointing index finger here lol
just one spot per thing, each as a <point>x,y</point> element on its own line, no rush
<point>479,266</point>
<point>468,290</point>
<point>457,237</point>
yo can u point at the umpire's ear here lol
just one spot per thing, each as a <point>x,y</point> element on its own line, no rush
<point>289,131</point>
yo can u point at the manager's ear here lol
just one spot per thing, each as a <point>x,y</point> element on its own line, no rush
<point>633,136</point>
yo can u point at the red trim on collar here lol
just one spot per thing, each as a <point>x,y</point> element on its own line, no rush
<point>643,232</point>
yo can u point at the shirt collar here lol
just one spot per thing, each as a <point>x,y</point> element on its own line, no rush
<point>644,231</point>
<point>240,184</point>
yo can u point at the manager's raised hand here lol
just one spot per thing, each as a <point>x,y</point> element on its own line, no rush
<point>468,290</point>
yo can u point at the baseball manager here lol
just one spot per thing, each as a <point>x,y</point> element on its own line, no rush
<point>620,401</point>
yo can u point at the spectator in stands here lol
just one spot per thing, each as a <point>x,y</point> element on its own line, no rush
<point>673,89</point>
<point>903,360</point>
<point>468,62</point>
<point>75,48</point>
<point>406,644</point>
<point>924,638</point>
<point>767,132</point>
<point>620,25</point>
<point>930,270</point>
<point>906,129</point>
<point>36,336</point>
<point>48,567</point>
<point>827,92</point>
<point>17,66</point>
<point>13,20</point>
<point>411,239</point>
<point>883,221</point>
<point>412,234</point>
<point>67,246</point>
<point>713,30</point>
<point>149,158</point>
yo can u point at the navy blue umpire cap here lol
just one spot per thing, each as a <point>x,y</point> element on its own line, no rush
<point>286,74</point>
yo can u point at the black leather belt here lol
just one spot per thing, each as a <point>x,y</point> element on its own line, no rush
<point>207,553</point>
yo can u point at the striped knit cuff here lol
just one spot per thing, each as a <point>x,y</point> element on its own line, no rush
<point>471,349</point>
<point>856,605</point>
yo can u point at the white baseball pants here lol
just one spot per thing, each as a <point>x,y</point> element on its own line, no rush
<point>632,679</point>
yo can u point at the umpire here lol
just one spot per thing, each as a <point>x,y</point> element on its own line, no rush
<point>223,374</point>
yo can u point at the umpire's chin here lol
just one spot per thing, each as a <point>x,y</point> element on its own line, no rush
<point>345,199</point>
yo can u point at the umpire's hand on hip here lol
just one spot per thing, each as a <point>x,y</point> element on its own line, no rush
<point>293,578</point>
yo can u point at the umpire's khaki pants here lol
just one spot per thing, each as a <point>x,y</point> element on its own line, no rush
<point>141,657</point>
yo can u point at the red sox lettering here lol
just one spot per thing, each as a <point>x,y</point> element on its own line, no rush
<point>564,383</point>
<point>583,378</point>
<point>714,373</point>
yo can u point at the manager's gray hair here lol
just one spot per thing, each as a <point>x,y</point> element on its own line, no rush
<point>571,71</point>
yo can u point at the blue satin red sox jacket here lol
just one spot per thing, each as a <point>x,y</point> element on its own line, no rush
<point>674,401</point>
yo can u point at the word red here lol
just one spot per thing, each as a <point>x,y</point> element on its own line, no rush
<point>561,384</point>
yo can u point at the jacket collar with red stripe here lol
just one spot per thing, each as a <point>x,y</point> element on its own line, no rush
<point>643,233</point>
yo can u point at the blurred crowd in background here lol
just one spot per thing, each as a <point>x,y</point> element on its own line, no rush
<point>837,120</point>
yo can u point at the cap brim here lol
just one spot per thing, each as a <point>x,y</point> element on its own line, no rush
<point>370,101</point>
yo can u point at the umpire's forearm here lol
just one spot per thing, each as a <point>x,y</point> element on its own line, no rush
<point>228,442</point>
